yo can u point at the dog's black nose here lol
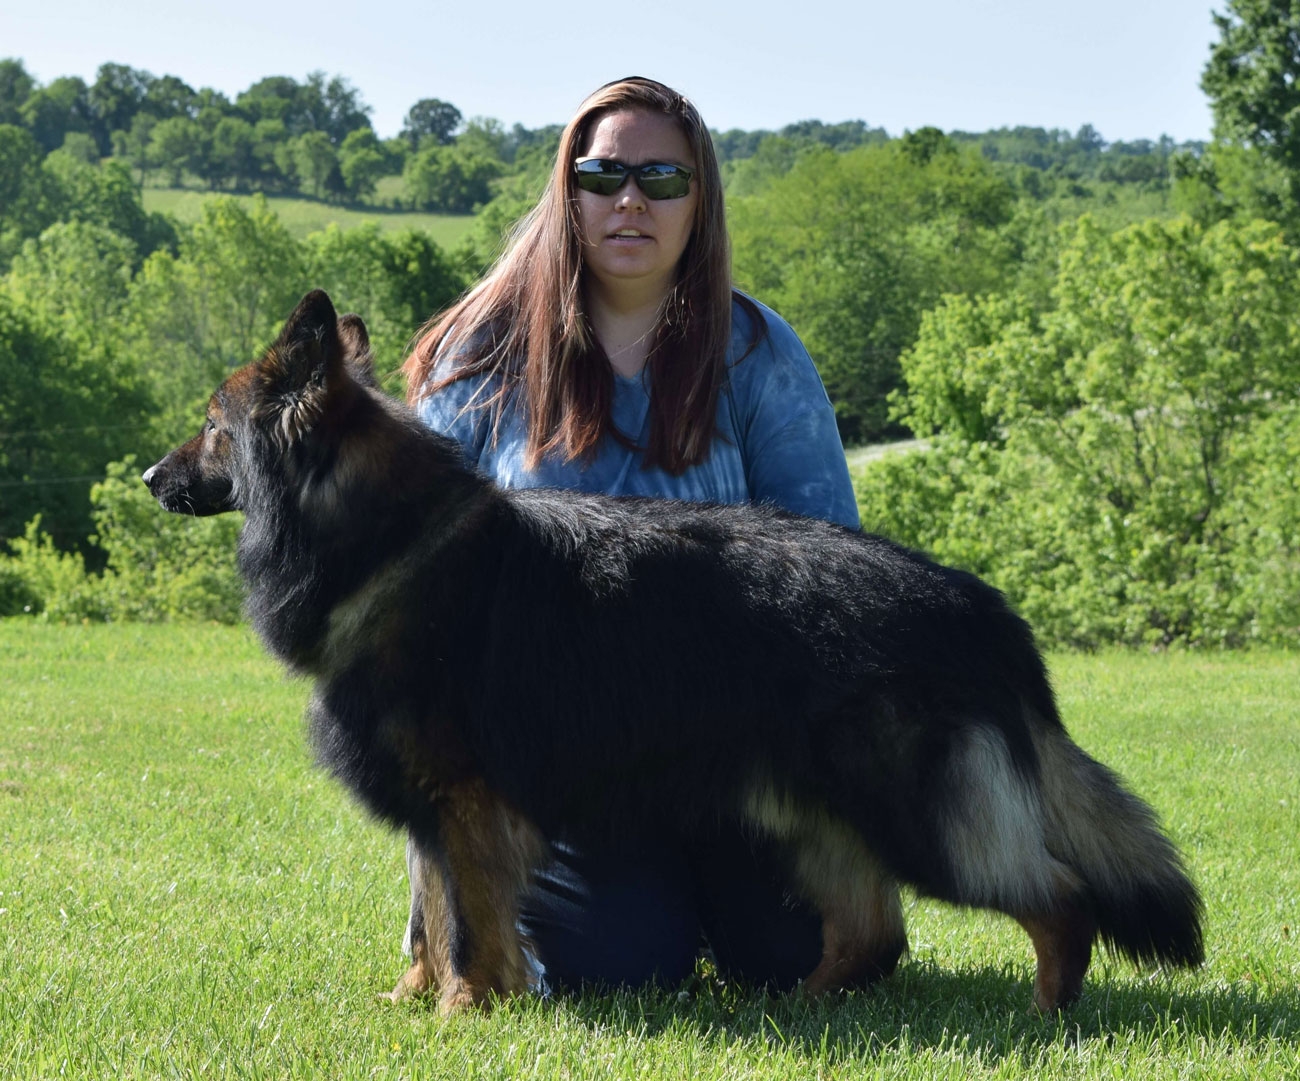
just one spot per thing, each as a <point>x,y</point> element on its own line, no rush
<point>148,475</point>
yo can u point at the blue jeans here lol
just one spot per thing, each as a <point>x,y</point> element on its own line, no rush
<point>640,915</point>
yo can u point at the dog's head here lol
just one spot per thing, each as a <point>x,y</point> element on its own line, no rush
<point>268,410</point>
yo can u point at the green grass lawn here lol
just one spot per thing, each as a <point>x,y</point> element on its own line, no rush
<point>183,894</point>
<point>304,216</point>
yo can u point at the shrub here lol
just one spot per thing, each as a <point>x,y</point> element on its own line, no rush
<point>1124,465</point>
<point>41,580</point>
<point>159,566</point>
<point>162,566</point>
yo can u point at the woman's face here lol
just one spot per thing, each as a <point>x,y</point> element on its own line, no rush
<point>630,244</point>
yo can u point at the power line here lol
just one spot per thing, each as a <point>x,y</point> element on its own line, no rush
<point>41,481</point>
<point>66,431</point>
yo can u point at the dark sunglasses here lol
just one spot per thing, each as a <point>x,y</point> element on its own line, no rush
<point>656,179</point>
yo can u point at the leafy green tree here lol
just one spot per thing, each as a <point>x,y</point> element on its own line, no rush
<point>332,106</point>
<point>532,156</point>
<point>39,579</point>
<point>394,281</point>
<point>16,86</point>
<point>853,247</point>
<point>396,151</point>
<point>430,120</point>
<point>1089,139</point>
<point>208,162</point>
<point>1252,77</point>
<point>64,412</point>
<point>1260,600</point>
<point>1103,461</point>
<point>194,316</point>
<point>114,98</point>
<point>1253,168</point>
<point>315,159</point>
<point>513,196</point>
<point>773,157</point>
<point>30,197</point>
<point>277,97</point>
<point>970,399</point>
<point>337,106</point>
<point>75,278</point>
<point>50,112</point>
<point>167,97</point>
<point>161,566</point>
<point>422,279</point>
<point>1134,169</point>
<point>921,146</point>
<point>273,167</point>
<point>448,180</point>
<point>134,146</point>
<point>107,195</point>
<point>231,156</point>
<point>529,143</point>
<point>1231,180</point>
<point>212,102</point>
<point>484,137</point>
<point>361,161</point>
<point>175,145</point>
<point>841,136</point>
<point>737,145</point>
<point>1039,148</point>
<point>81,147</point>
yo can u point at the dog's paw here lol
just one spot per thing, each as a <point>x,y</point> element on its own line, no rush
<point>459,996</point>
<point>414,983</point>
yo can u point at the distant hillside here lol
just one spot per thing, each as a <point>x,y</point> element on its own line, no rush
<point>304,216</point>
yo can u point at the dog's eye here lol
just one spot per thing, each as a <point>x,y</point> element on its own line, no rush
<point>208,426</point>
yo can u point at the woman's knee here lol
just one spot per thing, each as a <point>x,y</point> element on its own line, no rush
<point>623,920</point>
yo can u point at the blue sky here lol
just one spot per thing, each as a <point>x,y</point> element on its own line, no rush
<point>1130,68</point>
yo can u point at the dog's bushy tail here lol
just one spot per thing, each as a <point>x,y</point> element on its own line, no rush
<point>1145,905</point>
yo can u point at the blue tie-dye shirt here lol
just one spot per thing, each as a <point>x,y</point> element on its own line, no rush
<point>777,440</point>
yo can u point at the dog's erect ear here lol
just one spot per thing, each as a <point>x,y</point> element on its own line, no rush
<point>301,364</point>
<point>357,357</point>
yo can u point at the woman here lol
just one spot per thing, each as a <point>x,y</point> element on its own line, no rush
<point>607,351</point>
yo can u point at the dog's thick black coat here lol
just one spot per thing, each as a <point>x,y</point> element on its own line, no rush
<point>494,668</point>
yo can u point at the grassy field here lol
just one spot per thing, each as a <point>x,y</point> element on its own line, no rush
<point>304,216</point>
<point>182,894</point>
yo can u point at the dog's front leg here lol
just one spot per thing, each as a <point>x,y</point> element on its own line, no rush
<point>428,953</point>
<point>465,938</point>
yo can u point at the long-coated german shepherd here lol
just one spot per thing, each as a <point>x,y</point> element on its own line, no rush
<point>496,668</point>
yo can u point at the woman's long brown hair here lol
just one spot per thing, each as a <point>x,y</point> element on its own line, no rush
<point>525,323</point>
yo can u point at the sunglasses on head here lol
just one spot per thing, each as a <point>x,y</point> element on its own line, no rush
<point>656,179</point>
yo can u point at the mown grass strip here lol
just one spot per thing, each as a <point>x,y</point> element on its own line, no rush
<point>305,216</point>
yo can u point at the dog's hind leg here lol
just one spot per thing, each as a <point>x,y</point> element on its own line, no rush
<point>995,834</point>
<point>1063,946</point>
<point>863,932</point>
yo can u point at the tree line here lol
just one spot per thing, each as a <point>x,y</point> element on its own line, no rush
<point>1102,366</point>
<point>315,138</point>
<point>312,137</point>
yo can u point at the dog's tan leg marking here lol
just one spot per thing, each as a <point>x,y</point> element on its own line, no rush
<point>488,854</point>
<point>1063,945</point>
<point>417,980</point>
<point>863,932</point>
<point>862,943</point>
<point>430,965</point>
